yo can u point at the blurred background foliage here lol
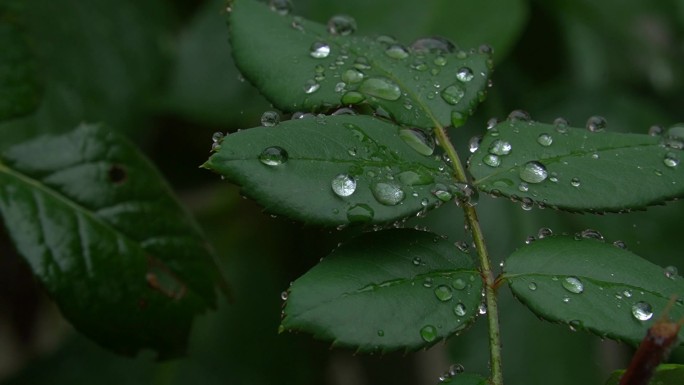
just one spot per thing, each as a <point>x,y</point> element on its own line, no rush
<point>161,71</point>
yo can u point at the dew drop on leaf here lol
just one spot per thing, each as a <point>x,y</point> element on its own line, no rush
<point>533,172</point>
<point>482,309</point>
<point>464,74</point>
<point>492,160</point>
<point>459,284</point>
<point>396,51</point>
<point>360,213</point>
<point>282,7</point>
<point>596,123</point>
<point>620,244</point>
<point>575,182</point>
<point>532,286</point>
<point>545,140</point>
<point>671,160</point>
<point>432,44</point>
<point>523,187</point>
<point>655,130</point>
<point>382,88</point>
<point>573,285</point>
<point>381,333</point>
<point>273,156</point>
<point>427,282</point>
<point>443,293</point>
<point>417,139</point>
<point>319,50</point>
<point>642,311</point>
<point>500,147</point>
<point>671,272</point>
<point>519,115</point>
<point>343,25</point>
<point>270,119</point>
<point>352,75</point>
<point>428,333</point>
<point>544,232</point>
<point>440,191</point>
<point>474,143</point>
<point>591,234</point>
<point>453,94</point>
<point>388,193</point>
<point>343,185</point>
<point>352,97</point>
<point>417,261</point>
<point>284,295</point>
<point>460,309</point>
<point>311,86</point>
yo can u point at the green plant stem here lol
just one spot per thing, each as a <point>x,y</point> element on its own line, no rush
<point>485,264</point>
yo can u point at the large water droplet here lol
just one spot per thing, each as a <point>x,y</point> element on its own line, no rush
<point>380,87</point>
<point>545,140</point>
<point>671,159</point>
<point>418,140</point>
<point>492,160</point>
<point>573,285</point>
<point>642,311</point>
<point>388,193</point>
<point>428,333</point>
<point>533,172</point>
<point>360,213</point>
<point>343,185</point>
<point>464,74</point>
<point>270,119</point>
<point>282,7</point>
<point>341,25</point>
<point>352,75</point>
<point>273,156</point>
<point>433,44</point>
<point>500,147</point>
<point>319,50</point>
<point>396,51</point>
<point>443,293</point>
<point>596,123</point>
<point>453,94</point>
<point>460,309</point>
<point>352,97</point>
<point>311,86</point>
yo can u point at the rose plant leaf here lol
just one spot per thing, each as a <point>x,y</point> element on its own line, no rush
<point>387,290</point>
<point>666,374</point>
<point>577,169</point>
<point>107,239</point>
<point>430,83</point>
<point>592,285</point>
<point>337,169</point>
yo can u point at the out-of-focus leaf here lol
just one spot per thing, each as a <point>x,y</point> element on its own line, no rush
<point>667,374</point>
<point>102,231</point>
<point>388,290</point>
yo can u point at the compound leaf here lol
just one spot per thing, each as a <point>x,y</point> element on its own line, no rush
<point>336,169</point>
<point>102,231</point>
<point>431,83</point>
<point>667,374</point>
<point>388,290</point>
<point>577,169</point>
<point>592,285</point>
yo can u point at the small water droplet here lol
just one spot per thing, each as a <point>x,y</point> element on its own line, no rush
<point>428,333</point>
<point>573,285</point>
<point>380,87</point>
<point>360,213</point>
<point>453,94</point>
<point>596,123</point>
<point>526,204</point>
<point>627,293</point>
<point>671,272</point>
<point>523,187</point>
<point>591,234</point>
<point>620,244</point>
<point>311,86</point>
<point>642,311</point>
<point>492,160</point>
<point>459,284</point>
<point>427,282</point>
<point>270,119</point>
<point>464,74</point>
<point>396,51</point>
<point>575,182</point>
<point>519,115</point>
<point>545,140</point>
<point>352,97</point>
<point>575,325</point>
<point>217,137</point>
<point>533,172</point>
<point>319,50</point>
<point>655,130</point>
<point>460,309</point>
<point>474,143</point>
<point>381,333</point>
<point>417,139</point>
<point>388,193</point>
<point>532,286</point>
<point>352,75</point>
<point>500,147</point>
<point>671,159</point>
<point>433,44</point>
<point>341,25</point>
<point>284,295</point>
<point>440,61</point>
<point>566,299</point>
<point>343,185</point>
<point>273,156</point>
<point>417,261</point>
<point>544,232</point>
<point>282,7</point>
<point>482,309</point>
<point>443,293</point>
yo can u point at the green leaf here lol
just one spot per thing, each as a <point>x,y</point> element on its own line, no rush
<point>336,169</point>
<point>576,169</point>
<point>592,285</point>
<point>20,90</point>
<point>668,374</point>
<point>102,231</point>
<point>388,290</point>
<point>464,379</point>
<point>416,88</point>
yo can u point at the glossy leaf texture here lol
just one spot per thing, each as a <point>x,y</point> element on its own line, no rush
<point>667,374</point>
<point>387,290</point>
<point>337,169</point>
<point>318,67</point>
<point>111,245</point>
<point>20,89</point>
<point>577,169</point>
<point>592,285</point>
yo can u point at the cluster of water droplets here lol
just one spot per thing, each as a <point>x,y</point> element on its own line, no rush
<point>453,371</point>
<point>216,140</point>
<point>672,140</point>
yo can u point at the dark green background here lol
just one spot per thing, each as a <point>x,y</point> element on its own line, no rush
<point>160,71</point>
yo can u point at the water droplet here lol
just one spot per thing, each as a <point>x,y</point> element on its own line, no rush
<point>380,87</point>
<point>591,234</point>
<point>474,143</point>
<point>352,97</point>
<point>492,160</point>
<point>319,50</point>
<point>532,286</point>
<point>443,293</point>
<point>433,44</point>
<point>642,311</point>
<point>270,118</point>
<point>671,159</point>
<point>217,137</point>
<point>284,295</point>
<point>427,282</point>
<point>573,285</point>
<point>620,244</point>
<point>575,182</point>
<point>396,51</point>
<point>533,172</point>
<point>671,272</point>
<point>544,232</point>
<point>545,140</point>
<point>453,94</point>
<point>388,193</point>
<point>412,178</point>
<point>526,204</point>
<point>417,139</point>
<point>441,192</point>
<point>566,299</point>
<point>428,333</point>
<point>343,185</point>
<point>524,187</point>
<point>575,325</point>
<point>464,74</point>
<point>352,75</point>
<point>417,261</point>
<point>381,333</point>
<point>273,156</point>
<point>482,309</point>
<point>500,147</point>
<point>655,130</point>
<point>627,293</point>
<point>596,123</point>
<point>311,86</point>
<point>360,213</point>
<point>339,87</point>
<point>460,309</point>
<point>459,284</point>
<point>440,61</point>
<point>519,116</point>
<point>341,25</point>
<point>344,111</point>
<point>282,7</point>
